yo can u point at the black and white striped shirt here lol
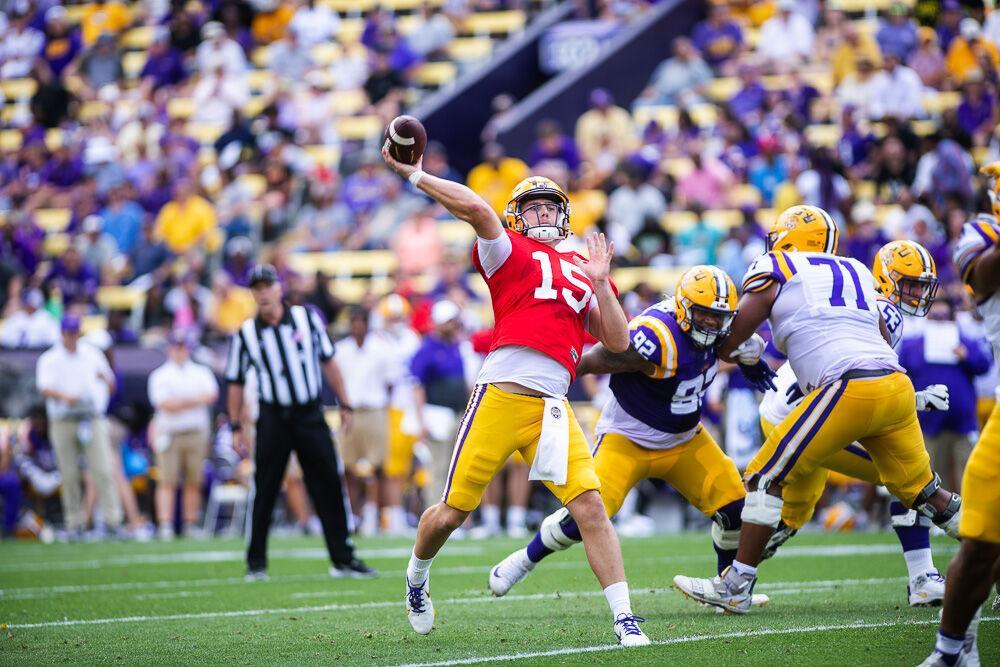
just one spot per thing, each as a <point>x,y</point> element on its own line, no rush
<point>286,357</point>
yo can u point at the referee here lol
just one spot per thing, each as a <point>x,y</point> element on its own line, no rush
<point>287,346</point>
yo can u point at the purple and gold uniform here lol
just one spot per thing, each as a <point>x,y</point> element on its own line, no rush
<point>651,425</point>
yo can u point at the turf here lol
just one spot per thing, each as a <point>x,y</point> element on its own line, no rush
<point>186,603</point>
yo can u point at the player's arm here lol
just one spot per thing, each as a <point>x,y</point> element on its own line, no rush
<point>984,274</point>
<point>754,309</point>
<point>460,201</point>
<point>600,360</point>
<point>884,330</point>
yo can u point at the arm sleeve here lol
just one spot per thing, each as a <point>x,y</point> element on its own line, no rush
<point>420,367</point>
<point>653,341</point>
<point>325,346</point>
<point>236,366</point>
<point>493,253</point>
<point>978,359</point>
<point>977,237</point>
<point>767,269</point>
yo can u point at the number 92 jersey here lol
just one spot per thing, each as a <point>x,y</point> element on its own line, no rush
<point>663,410</point>
<point>825,317</point>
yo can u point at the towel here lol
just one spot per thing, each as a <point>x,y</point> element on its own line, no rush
<point>552,456</point>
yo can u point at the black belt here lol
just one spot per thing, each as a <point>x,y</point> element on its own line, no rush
<point>859,373</point>
<point>299,407</point>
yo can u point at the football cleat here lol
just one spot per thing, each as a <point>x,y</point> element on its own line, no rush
<point>938,659</point>
<point>731,591</point>
<point>926,590</point>
<point>354,569</point>
<point>628,632</point>
<point>778,537</point>
<point>509,571</point>
<point>419,607</point>
<point>256,575</point>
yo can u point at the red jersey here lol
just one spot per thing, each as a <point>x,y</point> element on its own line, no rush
<point>540,300</point>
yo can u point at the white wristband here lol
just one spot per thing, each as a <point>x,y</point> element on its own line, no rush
<point>415,177</point>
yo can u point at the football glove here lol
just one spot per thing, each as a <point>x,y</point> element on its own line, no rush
<point>794,394</point>
<point>935,397</point>
<point>749,351</point>
<point>759,375</point>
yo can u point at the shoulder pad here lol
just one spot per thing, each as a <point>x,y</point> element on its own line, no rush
<point>653,339</point>
<point>771,267</point>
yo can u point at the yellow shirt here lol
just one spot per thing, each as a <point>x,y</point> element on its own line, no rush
<point>786,195</point>
<point>112,17</point>
<point>962,57</point>
<point>586,208</point>
<point>495,185</point>
<point>596,131</point>
<point>182,225</point>
<point>234,309</point>
<point>843,62</point>
<point>270,27</point>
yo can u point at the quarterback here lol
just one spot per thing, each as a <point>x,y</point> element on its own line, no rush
<point>907,278</point>
<point>651,425</point>
<point>973,570</point>
<point>824,316</point>
<point>543,302</point>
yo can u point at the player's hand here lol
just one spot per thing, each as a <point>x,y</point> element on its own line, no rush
<point>794,394</point>
<point>401,168</point>
<point>961,352</point>
<point>759,375</point>
<point>599,252</point>
<point>749,352</point>
<point>346,420</point>
<point>934,397</point>
<point>240,444</point>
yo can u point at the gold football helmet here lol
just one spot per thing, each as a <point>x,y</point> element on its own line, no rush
<point>907,276</point>
<point>705,300</point>
<point>539,221</point>
<point>992,170</point>
<point>803,228</point>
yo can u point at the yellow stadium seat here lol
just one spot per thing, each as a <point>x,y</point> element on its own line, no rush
<point>255,184</point>
<point>704,115</point>
<point>350,31</point>
<point>119,297</point>
<point>664,115</point>
<point>659,279</point>
<point>744,194</point>
<point>494,23</point>
<point>409,24</point>
<point>922,128</point>
<point>91,323</point>
<point>435,75</point>
<point>93,109</point>
<point>456,233</point>
<point>260,57</point>
<point>357,128</point>
<point>677,167</point>
<point>260,80</point>
<point>180,107</point>
<point>325,156</point>
<point>348,102</point>
<point>10,140</point>
<point>675,221</point>
<point>350,7</point>
<point>722,88</point>
<point>206,156</point>
<point>883,212</point>
<point>326,53</point>
<point>980,154</point>
<point>864,190</point>
<point>823,135</point>
<point>53,220</point>
<point>765,216</point>
<point>133,62</point>
<point>723,217</point>
<point>54,138</point>
<point>935,103</point>
<point>470,49</point>
<point>346,264</point>
<point>55,244</point>
<point>140,38</point>
<point>18,89</point>
<point>74,13</point>
<point>255,105</point>
<point>397,6</point>
<point>205,133</point>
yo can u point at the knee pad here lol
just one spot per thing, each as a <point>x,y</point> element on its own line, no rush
<point>902,517</point>
<point>762,508</point>
<point>948,518</point>
<point>552,533</point>
<point>726,523</point>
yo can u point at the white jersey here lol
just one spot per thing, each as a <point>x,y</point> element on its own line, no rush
<point>776,404</point>
<point>977,237</point>
<point>825,318</point>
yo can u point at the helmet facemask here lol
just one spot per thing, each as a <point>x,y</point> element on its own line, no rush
<point>709,326</point>
<point>543,219</point>
<point>914,296</point>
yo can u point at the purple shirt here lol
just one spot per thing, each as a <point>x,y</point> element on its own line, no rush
<point>60,51</point>
<point>717,44</point>
<point>971,114</point>
<point>363,193</point>
<point>78,286</point>
<point>23,242</point>
<point>897,39</point>
<point>566,152</point>
<point>958,377</point>
<point>167,69</point>
<point>439,367</point>
<point>63,174</point>
<point>749,100</point>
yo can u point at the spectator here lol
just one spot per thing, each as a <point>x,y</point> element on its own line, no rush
<point>897,34</point>
<point>217,48</point>
<point>314,24</point>
<point>35,458</point>
<point>311,108</point>
<point>991,28</point>
<point>290,58</point>
<point>706,184</point>
<point>718,37</point>
<point>50,105</point>
<point>851,49</point>
<point>218,94</point>
<point>97,248</point>
<point>149,254</point>
<point>76,381</point>
<point>31,326</point>
<point>553,145</point>
<point>62,40</point>
<point>433,32</point>
<point>977,113</point>
<point>101,18</point>
<point>495,177</point>
<point>182,393</point>
<point>927,60</point>
<point>417,243</point>
<point>768,169</point>
<point>948,23</point>
<point>187,221</point>
<point>898,91</point>
<point>865,236</point>
<point>823,185</point>
<point>324,220</point>
<point>678,79</point>
<point>944,354</point>
<point>748,101</point>
<point>164,63</point>
<point>440,392</point>
<point>190,303</point>
<point>384,85</point>
<point>21,44</point>
<point>233,304</point>
<point>605,131</point>
<point>73,278</point>
<point>100,66</point>
<point>271,20</point>
<point>787,37</point>
<point>893,170</point>
<point>436,162</point>
<point>970,51</point>
<point>122,218</point>
<point>699,242</point>
<point>631,203</point>
<point>859,90</point>
<point>365,362</point>
<point>366,188</point>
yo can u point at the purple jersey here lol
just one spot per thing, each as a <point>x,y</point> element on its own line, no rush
<point>669,401</point>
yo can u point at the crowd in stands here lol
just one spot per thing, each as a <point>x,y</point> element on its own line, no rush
<point>152,152</point>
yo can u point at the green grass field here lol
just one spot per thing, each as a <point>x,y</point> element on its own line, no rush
<point>834,600</point>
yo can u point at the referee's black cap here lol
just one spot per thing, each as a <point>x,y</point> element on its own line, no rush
<point>262,273</point>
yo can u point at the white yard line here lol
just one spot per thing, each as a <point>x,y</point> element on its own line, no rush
<point>857,625</point>
<point>324,594</point>
<point>174,594</point>
<point>800,587</point>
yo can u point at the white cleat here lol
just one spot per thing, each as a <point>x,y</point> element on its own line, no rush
<point>970,649</point>
<point>628,632</point>
<point>730,591</point>
<point>937,659</point>
<point>926,590</point>
<point>509,571</point>
<point>419,607</point>
<point>756,600</point>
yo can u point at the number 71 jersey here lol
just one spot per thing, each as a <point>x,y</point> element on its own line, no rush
<point>825,317</point>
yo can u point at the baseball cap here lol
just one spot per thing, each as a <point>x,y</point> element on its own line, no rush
<point>92,223</point>
<point>55,13</point>
<point>71,323</point>
<point>262,273</point>
<point>970,28</point>
<point>600,97</point>
<point>212,29</point>
<point>444,311</point>
<point>181,337</point>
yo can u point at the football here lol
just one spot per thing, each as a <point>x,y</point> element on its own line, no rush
<point>406,138</point>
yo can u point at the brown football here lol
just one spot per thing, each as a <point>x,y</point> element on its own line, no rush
<point>406,138</point>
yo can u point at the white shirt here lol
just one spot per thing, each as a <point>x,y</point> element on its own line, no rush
<point>215,102</point>
<point>403,343</point>
<point>84,374</point>
<point>18,51</point>
<point>898,93</point>
<point>230,53</point>
<point>314,25</point>
<point>368,371</point>
<point>781,39</point>
<point>991,27</point>
<point>37,330</point>
<point>171,382</point>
